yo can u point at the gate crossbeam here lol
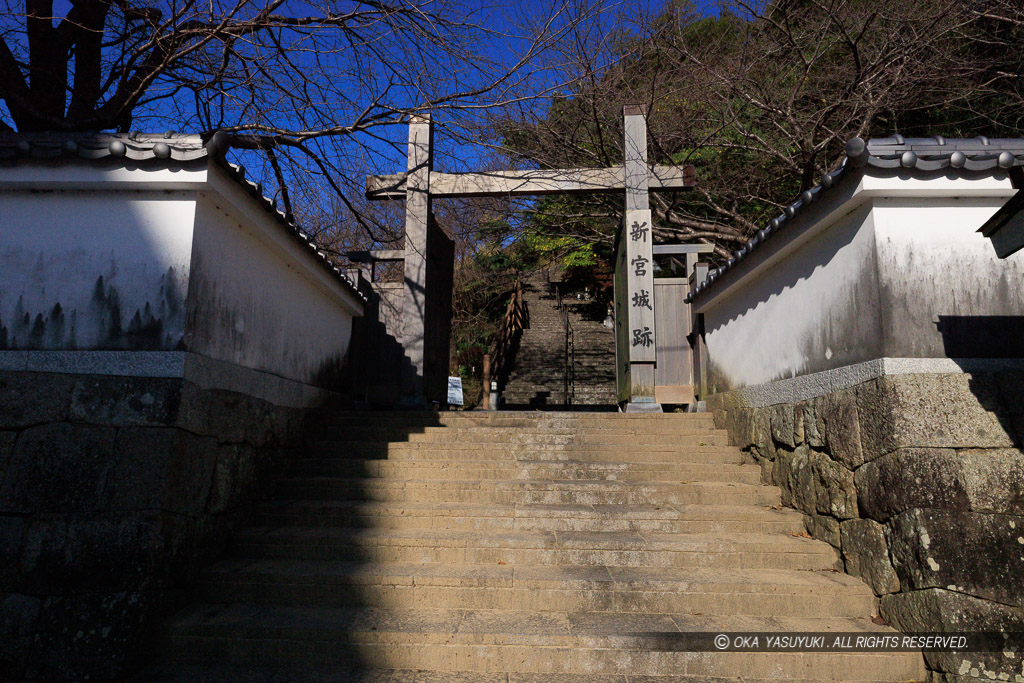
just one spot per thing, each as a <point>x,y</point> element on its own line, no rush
<point>534,182</point>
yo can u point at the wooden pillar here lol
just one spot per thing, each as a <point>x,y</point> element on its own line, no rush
<point>638,237</point>
<point>417,220</point>
<point>486,381</point>
<point>700,351</point>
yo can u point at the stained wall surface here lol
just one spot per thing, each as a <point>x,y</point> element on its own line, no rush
<point>84,270</point>
<point>897,277</point>
<point>816,309</point>
<point>943,291</point>
<point>256,302</point>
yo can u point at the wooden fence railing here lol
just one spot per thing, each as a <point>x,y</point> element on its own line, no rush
<point>516,319</point>
<point>569,361</point>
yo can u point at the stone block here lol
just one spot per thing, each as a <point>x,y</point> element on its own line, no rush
<point>113,553</point>
<point>125,401</point>
<point>798,424</point>
<point>794,474</point>
<point>837,421</point>
<point>738,422</point>
<point>242,474</point>
<point>974,553</point>
<point>246,475</point>
<point>809,420</point>
<point>229,416</point>
<point>948,611</point>
<point>222,485</point>
<point>33,398</point>
<point>993,479</point>
<point>931,411</point>
<point>836,494</point>
<point>41,565</point>
<point>161,469</point>
<point>866,554</point>
<point>12,531</point>
<point>980,480</point>
<point>781,417</point>
<point>823,528</point>
<point>18,617</point>
<point>760,426</point>
<point>212,535</point>
<point>6,446</point>
<point>286,424</point>
<point>6,452</point>
<point>58,467</point>
<point>109,552</point>
<point>911,478</point>
<point>90,635</point>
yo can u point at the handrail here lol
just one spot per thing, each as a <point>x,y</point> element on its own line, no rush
<point>516,319</point>
<point>569,369</point>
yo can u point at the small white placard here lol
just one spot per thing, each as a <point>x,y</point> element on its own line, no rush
<point>455,391</point>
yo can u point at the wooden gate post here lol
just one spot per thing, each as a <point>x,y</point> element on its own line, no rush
<point>486,381</point>
<point>638,237</point>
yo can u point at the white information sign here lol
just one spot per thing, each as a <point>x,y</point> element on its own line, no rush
<point>455,391</point>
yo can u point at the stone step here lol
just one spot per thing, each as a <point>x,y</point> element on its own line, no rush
<point>563,547</point>
<point>474,430</point>
<point>526,469</point>
<point>538,419</point>
<point>511,641</point>
<point>513,452</point>
<point>629,549</point>
<point>517,436</point>
<point>473,516</point>
<point>583,492</point>
<point>723,592</point>
<point>175,672</point>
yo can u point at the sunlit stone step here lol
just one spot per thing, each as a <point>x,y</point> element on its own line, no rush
<point>532,517</point>
<point>595,492</point>
<point>727,551</point>
<point>542,589</point>
<point>483,641</point>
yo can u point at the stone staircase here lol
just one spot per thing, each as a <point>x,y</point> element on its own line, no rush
<point>537,379</point>
<point>515,546</point>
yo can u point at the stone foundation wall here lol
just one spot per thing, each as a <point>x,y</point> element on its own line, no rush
<point>918,481</point>
<point>114,491</point>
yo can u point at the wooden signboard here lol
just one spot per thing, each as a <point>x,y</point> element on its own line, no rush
<point>640,286</point>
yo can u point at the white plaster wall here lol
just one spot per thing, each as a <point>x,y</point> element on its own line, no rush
<point>253,302</point>
<point>815,309</point>
<point>55,246</point>
<point>943,288</point>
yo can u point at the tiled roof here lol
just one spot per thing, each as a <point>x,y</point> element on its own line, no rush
<point>972,155</point>
<point>147,147</point>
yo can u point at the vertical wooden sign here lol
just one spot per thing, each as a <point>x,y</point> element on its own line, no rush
<point>639,301</point>
<point>639,239</point>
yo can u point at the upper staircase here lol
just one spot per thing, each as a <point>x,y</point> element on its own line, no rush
<point>515,546</point>
<point>537,379</point>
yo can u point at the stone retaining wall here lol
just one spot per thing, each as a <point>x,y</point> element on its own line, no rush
<point>918,481</point>
<point>114,491</point>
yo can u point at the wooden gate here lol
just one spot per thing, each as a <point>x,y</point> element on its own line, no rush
<point>673,371</point>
